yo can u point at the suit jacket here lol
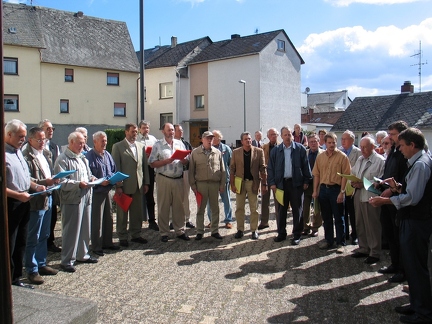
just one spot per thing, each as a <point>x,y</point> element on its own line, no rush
<point>136,168</point>
<point>257,168</point>
<point>39,202</point>
<point>266,149</point>
<point>255,143</point>
<point>354,154</point>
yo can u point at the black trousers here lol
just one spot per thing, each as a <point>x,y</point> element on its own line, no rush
<point>149,198</point>
<point>349,217</point>
<point>292,196</point>
<point>414,244</point>
<point>18,217</point>
<point>390,230</point>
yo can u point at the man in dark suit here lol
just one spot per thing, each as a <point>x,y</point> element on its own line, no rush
<point>289,170</point>
<point>55,152</point>
<point>130,158</point>
<point>248,166</point>
<point>257,142</point>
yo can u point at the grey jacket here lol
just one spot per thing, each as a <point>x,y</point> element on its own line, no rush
<point>70,192</point>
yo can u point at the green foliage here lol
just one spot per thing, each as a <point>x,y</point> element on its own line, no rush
<point>114,136</point>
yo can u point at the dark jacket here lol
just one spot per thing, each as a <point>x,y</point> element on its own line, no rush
<point>301,173</point>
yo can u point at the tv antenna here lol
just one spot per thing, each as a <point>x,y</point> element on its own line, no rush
<point>420,63</point>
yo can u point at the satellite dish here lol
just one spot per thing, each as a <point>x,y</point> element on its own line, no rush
<point>307,89</point>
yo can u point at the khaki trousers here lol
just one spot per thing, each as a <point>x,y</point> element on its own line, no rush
<point>368,227</point>
<point>210,192</point>
<point>170,194</point>
<point>246,190</point>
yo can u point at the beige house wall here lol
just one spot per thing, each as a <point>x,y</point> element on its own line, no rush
<point>26,84</point>
<point>198,87</point>
<point>91,100</point>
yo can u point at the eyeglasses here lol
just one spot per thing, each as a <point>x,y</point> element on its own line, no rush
<point>39,140</point>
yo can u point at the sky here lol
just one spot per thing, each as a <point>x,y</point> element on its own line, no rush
<point>368,47</point>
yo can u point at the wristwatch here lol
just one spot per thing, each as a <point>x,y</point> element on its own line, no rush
<point>343,191</point>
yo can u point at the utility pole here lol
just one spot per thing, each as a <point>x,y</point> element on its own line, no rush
<point>420,63</point>
<point>142,92</point>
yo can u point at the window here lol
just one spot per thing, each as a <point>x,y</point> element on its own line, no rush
<point>281,45</point>
<point>166,90</point>
<point>69,75</point>
<point>64,106</point>
<point>113,79</point>
<point>10,65</point>
<point>165,118</point>
<point>119,109</point>
<point>199,102</point>
<point>11,102</point>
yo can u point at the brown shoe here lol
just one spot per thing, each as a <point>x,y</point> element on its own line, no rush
<point>47,271</point>
<point>35,278</point>
<point>228,225</point>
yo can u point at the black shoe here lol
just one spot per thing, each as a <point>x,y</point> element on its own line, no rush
<point>397,278</point>
<point>217,236</point>
<point>164,238</point>
<point>371,260</point>
<point>306,232</point>
<point>390,269</point>
<point>111,247</point>
<point>295,241</point>
<point>124,243</point>
<point>279,238</point>
<point>239,234</point>
<point>254,235</point>
<point>358,255</point>
<point>53,248</point>
<point>184,237</point>
<point>139,240</point>
<point>99,252</point>
<point>89,260</point>
<point>154,226</point>
<point>404,310</point>
<point>354,241</point>
<point>190,225</point>
<point>198,237</point>
<point>262,226</point>
<point>171,226</point>
<point>22,285</point>
<point>67,268</point>
<point>414,319</point>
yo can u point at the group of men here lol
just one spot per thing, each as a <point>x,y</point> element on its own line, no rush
<point>397,208</point>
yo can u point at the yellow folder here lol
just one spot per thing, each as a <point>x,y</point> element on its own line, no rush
<point>280,196</point>
<point>238,184</point>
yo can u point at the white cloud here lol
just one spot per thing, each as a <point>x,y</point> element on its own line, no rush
<point>192,2</point>
<point>346,3</point>
<point>394,41</point>
<point>15,1</point>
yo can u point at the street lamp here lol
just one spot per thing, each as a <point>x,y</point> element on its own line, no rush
<point>244,103</point>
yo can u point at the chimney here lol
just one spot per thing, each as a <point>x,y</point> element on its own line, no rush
<point>235,36</point>
<point>173,41</point>
<point>407,87</point>
<point>79,14</point>
<point>311,113</point>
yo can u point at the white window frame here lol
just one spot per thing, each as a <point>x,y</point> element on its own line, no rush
<point>281,45</point>
<point>199,102</point>
<point>119,109</point>
<point>166,90</point>
<point>10,101</point>
<point>9,65</point>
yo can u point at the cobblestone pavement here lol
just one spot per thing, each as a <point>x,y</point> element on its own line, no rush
<point>231,281</point>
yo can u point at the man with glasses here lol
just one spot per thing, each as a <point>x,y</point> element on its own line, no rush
<point>18,185</point>
<point>386,145</point>
<point>49,129</point>
<point>40,165</point>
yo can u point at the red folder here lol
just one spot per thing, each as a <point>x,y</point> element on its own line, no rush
<point>180,154</point>
<point>148,150</point>
<point>198,196</point>
<point>123,201</point>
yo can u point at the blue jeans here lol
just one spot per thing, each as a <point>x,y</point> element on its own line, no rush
<point>38,232</point>
<point>329,209</point>
<point>225,196</point>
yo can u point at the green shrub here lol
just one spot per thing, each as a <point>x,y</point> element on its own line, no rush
<point>114,136</point>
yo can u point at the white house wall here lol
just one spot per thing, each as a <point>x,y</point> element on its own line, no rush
<point>225,102</point>
<point>280,99</point>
